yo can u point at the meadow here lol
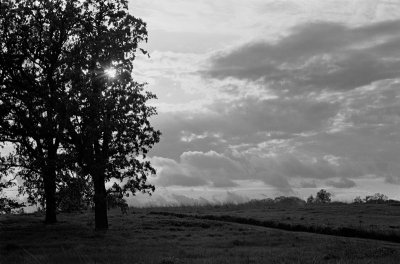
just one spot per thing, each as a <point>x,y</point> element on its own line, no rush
<point>208,234</point>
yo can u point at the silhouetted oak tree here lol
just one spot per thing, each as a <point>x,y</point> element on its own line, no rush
<point>109,129</point>
<point>35,38</point>
<point>61,105</point>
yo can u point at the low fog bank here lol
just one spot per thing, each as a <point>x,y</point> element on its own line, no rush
<point>168,199</point>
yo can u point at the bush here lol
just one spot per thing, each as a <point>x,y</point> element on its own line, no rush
<point>358,200</point>
<point>310,199</point>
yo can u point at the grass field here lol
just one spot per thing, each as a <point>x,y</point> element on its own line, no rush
<point>378,220</point>
<point>185,235</point>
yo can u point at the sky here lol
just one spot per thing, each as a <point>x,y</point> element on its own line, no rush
<point>262,98</point>
<point>265,98</point>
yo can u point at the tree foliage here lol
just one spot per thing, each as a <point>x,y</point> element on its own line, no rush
<point>109,129</point>
<point>74,193</point>
<point>115,198</point>
<point>376,198</point>
<point>60,109</point>
<point>34,55</point>
<point>323,196</point>
<point>8,205</point>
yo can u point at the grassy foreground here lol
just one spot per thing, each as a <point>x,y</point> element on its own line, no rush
<point>146,236</point>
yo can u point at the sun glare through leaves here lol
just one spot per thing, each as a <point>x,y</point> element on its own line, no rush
<point>111,72</point>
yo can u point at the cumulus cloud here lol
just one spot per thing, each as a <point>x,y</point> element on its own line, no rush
<point>198,169</point>
<point>280,141</point>
<point>245,141</point>
<point>315,57</point>
<point>277,169</point>
<point>240,121</point>
<point>170,173</point>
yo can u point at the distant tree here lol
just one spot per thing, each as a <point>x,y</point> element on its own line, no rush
<point>258,203</point>
<point>358,200</point>
<point>376,198</point>
<point>323,196</point>
<point>289,200</point>
<point>392,201</point>
<point>7,205</point>
<point>310,199</point>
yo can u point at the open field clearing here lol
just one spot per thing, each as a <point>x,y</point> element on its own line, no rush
<point>145,236</point>
<point>380,221</point>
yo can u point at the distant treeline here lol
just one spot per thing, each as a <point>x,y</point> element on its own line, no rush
<point>324,197</point>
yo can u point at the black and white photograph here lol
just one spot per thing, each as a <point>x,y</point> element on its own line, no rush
<point>199,131</point>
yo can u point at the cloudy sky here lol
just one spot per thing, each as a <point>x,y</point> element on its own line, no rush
<point>261,98</point>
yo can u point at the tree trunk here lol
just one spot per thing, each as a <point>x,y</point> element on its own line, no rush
<point>50,196</point>
<point>100,201</point>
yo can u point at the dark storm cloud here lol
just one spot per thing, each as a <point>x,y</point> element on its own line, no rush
<point>342,183</point>
<point>316,56</point>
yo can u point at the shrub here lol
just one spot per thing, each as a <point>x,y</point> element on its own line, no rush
<point>310,199</point>
<point>358,200</point>
<point>291,200</point>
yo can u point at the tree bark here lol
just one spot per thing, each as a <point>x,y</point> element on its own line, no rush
<point>50,196</point>
<point>100,201</point>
